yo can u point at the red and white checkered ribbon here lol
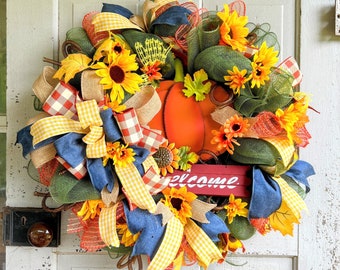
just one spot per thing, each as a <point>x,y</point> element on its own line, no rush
<point>151,140</point>
<point>129,126</point>
<point>79,171</point>
<point>154,183</point>
<point>250,51</point>
<point>62,101</point>
<point>292,67</point>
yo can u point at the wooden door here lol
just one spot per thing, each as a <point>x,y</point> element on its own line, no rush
<point>41,26</point>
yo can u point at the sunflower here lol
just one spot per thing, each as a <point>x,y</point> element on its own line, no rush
<point>167,157</point>
<point>114,105</point>
<point>235,207</point>
<point>263,61</point>
<point>293,118</point>
<point>236,79</point>
<point>223,141</point>
<point>118,76</point>
<point>233,29</point>
<point>128,239</point>
<point>112,44</point>
<point>178,201</point>
<point>119,153</point>
<point>90,209</point>
<point>235,126</point>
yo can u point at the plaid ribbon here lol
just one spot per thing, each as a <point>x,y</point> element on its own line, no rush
<point>151,140</point>
<point>291,197</point>
<point>107,21</point>
<point>52,126</point>
<point>154,183</point>
<point>285,148</point>
<point>107,226</point>
<point>206,250</point>
<point>168,249</point>
<point>62,101</point>
<point>249,51</point>
<point>129,126</point>
<point>89,116</point>
<point>135,188</point>
<point>79,171</point>
<point>292,67</point>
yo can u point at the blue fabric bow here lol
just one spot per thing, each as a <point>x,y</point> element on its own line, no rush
<point>117,9</point>
<point>25,138</point>
<point>215,226</point>
<point>150,227</point>
<point>266,195</point>
<point>174,16</point>
<point>300,171</point>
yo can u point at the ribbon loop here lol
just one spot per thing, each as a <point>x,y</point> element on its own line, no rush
<point>200,242</point>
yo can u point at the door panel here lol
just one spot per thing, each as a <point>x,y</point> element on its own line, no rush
<point>270,252</point>
<point>280,14</point>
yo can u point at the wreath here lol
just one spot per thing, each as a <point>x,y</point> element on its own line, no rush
<point>174,134</point>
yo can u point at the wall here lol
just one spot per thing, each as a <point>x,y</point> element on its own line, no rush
<point>320,63</point>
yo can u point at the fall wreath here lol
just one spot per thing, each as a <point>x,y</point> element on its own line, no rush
<point>173,134</point>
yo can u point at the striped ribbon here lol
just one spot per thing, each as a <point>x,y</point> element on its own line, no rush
<point>206,251</point>
<point>168,249</point>
<point>107,226</point>
<point>291,197</point>
<point>135,188</point>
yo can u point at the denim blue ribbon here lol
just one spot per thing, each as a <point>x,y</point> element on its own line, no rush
<point>117,9</point>
<point>300,171</point>
<point>150,227</point>
<point>266,195</point>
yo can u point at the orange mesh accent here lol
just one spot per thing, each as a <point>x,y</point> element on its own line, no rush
<point>94,37</point>
<point>47,171</point>
<point>267,125</point>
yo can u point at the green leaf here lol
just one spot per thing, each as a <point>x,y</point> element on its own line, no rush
<point>198,86</point>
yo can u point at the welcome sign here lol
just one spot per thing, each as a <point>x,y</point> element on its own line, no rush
<point>214,180</point>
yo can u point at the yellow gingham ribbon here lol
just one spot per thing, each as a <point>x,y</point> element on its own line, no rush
<point>291,197</point>
<point>285,148</point>
<point>150,162</point>
<point>106,21</point>
<point>206,251</point>
<point>107,226</point>
<point>168,249</point>
<point>89,116</point>
<point>135,188</point>
<point>89,123</point>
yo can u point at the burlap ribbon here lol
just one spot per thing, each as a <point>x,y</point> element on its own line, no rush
<point>45,83</point>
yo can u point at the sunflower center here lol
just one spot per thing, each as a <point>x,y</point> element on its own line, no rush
<point>176,203</point>
<point>117,74</point>
<point>258,72</point>
<point>163,157</point>
<point>118,49</point>
<point>236,127</point>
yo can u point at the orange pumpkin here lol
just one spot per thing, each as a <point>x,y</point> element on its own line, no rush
<point>185,121</point>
